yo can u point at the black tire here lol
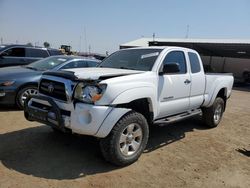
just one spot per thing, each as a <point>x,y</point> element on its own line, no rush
<point>111,145</point>
<point>19,102</point>
<point>208,114</point>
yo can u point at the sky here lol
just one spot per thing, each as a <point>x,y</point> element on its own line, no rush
<point>101,26</point>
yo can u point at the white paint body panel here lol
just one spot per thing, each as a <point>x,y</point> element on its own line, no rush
<point>172,99</point>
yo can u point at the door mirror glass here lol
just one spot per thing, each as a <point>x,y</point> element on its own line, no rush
<point>171,68</point>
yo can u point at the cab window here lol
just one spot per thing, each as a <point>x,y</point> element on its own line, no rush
<point>194,62</point>
<point>176,57</point>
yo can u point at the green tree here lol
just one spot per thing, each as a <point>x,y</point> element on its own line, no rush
<point>46,44</point>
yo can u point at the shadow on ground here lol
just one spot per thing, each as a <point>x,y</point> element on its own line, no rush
<point>162,136</point>
<point>39,152</point>
<point>42,153</point>
<point>7,108</point>
<point>244,152</point>
<point>242,87</point>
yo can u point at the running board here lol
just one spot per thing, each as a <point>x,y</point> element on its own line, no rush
<point>171,119</point>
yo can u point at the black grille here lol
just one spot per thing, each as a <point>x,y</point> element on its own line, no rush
<point>53,89</point>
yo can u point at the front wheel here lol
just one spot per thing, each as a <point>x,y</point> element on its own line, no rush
<point>127,140</point>
<point>24,93</point>
<point>212,115</point>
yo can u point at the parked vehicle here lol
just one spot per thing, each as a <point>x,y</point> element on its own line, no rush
<point>17,83</point>
<point>66,49</point>
<point>12,55</point>
<point>130,90</point>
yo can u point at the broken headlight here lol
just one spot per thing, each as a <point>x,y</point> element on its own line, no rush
<point>89,93</point>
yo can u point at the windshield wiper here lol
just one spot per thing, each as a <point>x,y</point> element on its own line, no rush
<point>128,68</point>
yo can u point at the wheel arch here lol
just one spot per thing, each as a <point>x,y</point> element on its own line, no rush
<point>144,96</point>
<point>141,105</point>
<point>26,85</point>
<point>29,84</point>
<point>120,110</point>
<point>221,90</point>
<point>223,94</point>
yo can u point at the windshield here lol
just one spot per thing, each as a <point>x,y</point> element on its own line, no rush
<point>135,59</point>
<point>47,63</point>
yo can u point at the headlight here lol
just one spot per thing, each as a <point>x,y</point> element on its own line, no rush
<point>89,93</point>
<point>6,82</point>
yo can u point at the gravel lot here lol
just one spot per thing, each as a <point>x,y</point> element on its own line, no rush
<point>182,154</point>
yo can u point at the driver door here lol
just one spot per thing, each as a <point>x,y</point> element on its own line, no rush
<point>174,88</point>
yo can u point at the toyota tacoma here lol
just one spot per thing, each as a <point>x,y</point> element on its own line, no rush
<point>131,90</point>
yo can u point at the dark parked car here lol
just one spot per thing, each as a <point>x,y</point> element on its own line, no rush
<point>12,55</point>
<point>17,83</point>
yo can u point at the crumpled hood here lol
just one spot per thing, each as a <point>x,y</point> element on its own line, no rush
<point>101,73</point>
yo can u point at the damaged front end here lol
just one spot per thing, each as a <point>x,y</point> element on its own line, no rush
<point>66,102</point>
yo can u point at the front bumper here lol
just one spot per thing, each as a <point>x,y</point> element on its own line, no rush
<point>48,113</point>
<point>7,96</point>
<point>81,118</point>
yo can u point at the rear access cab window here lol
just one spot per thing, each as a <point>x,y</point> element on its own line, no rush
<point>194,62</point>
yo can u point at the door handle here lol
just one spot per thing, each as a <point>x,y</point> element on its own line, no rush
<point>187,81</point>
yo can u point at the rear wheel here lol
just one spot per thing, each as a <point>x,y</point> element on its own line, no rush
<point>212,115</point>
<point>127,140</point>
<point>24,93</point>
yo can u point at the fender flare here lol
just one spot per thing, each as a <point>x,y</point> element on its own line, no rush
<point>215,93</point>
<point>138,93</point>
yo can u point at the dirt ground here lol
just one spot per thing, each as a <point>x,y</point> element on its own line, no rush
<point>184,154</point>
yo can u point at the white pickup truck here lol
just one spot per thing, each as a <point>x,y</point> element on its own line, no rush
<point>131,90</point>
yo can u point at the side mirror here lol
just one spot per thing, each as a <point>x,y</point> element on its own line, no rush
<point>170,68</point>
